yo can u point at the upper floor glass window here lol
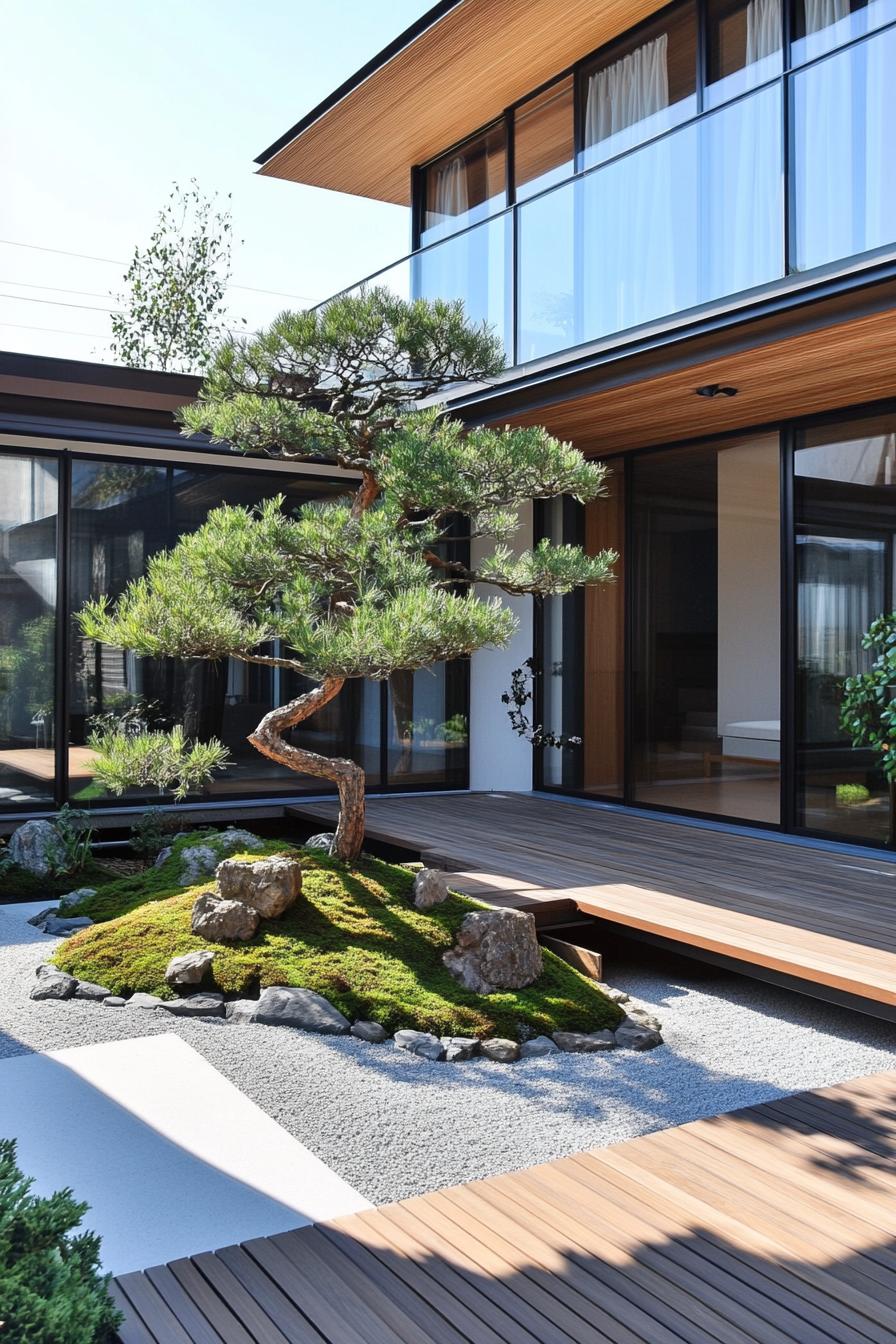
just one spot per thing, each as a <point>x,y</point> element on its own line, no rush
<point>640,86</point>
<point>745,47</point>
<point>466,185</point>
<point>544,139</point>
<point>822,25</point>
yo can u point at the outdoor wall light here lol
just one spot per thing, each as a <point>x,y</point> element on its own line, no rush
<point>716,390</point>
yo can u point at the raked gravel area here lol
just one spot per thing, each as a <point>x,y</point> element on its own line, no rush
<point>394,1125</point>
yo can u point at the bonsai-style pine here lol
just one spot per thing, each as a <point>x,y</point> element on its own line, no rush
<point>868,707</point>
<point>378,582</point>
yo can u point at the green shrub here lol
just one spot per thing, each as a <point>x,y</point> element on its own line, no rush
<point>851,794</point>
<point>51,1287</point>
<point>152,831</point>
<point>353,935</point>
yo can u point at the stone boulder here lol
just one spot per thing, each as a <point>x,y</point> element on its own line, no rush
<point>34,847</point>
<point>500,1049</point>
<point>114,1001</point>
<point>163,856</point>
<point>53,984</point>
<point>85,989</point>
<point>269,886</point>
<point>282,1005</point>
<point>496,949</point>
<point>430,888</point>
<point>197,862</point>
<point>64,928</point>
<point>189,969</point>
<point>148,1001</point>
<point>372,1032</point>
<point>195,1005</point>
<point>223,921</point>
<point>420,1043</point>
<point>584,1042</point>
<point>459,1048</point>
<point>632,1036</point>
<point>75,898</point>
<point>538,1047</point>
<point>323,840</point>
<point>234,838</point>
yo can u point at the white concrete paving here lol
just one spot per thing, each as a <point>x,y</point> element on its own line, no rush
<point>171,1157</point>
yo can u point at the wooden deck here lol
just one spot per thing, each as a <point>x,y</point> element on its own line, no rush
<point>773,1225</point>
<point>821,918</point>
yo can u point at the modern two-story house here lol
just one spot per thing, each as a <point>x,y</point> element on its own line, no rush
<point>682,221</point>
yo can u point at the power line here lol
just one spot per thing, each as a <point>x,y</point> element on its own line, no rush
<point>57,331</point>
<point>111,261</point>
<point>56,289</point>
<point>58,303</point>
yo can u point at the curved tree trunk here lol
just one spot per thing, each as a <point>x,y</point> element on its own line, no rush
<point>346,775</point>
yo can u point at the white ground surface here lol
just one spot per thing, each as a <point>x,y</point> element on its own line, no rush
<point>166,1151</point>
<point>393,1125</point>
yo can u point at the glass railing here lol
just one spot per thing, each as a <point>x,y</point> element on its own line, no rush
<point>693,217</point>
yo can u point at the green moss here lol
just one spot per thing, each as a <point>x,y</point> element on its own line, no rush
<point>353,936</point>
<point>17,884</point>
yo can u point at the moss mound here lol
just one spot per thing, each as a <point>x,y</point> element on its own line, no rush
<point>353,936</point>
<point>18,884</point>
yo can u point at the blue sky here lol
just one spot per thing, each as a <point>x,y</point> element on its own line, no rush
<point>105,103</point>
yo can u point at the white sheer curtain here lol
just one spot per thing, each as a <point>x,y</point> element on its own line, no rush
<point>628,264</point>
<point>450,195</point>
<point>845,110</point>
<point>764,29</point>
<point>627,92</point>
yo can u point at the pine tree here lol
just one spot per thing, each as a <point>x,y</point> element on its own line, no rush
<point>362,586</point>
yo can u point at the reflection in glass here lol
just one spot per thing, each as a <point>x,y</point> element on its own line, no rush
<point>824,25</point>
<point>745,47</point>
<point>475,268</point>
<point>465,186</point>
<point>543,144</point>
<point>640,86</point>
<point>28,508</point>
<point>846,519</point>
<point>706,723</point>
<point>844,184</point>
<point>428,730</point>
<point>687,219</point>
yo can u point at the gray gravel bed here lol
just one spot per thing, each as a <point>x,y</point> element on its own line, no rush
<point>395,1125</point>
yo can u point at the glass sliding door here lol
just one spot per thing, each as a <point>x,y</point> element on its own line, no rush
<point>705,576</point>
<point>845,500</point>
<point>29,503</point>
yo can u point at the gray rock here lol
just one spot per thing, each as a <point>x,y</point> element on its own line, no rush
<point>197,862</point>
<point>584,1042</point>
<point>163,856</point>
<point>40,919</point>
<point>233,839</point>
<point>641,1017</point>
<point>283,1005</point>
<point>496,949</point>
<point>195,1005</point>
<point>34,847</point>
<point>538,1047</point>
<point>87,990</point>
<point>76,898</point>
<point>220,920</point>
<point>430,888</point>
<point>240,1010</point>
<point>61,928</point>
<point>269,886</point>
<point>114,1001</point>
<point>189,969</point>
<point>420,1043</point>
<point>323,840</point>
<point>631,1036</point>
<point>460,1047</point>
<point>614,995</point>
<point>53,984</point>
<point>141,1000</point>
<point>500,1049</point>
<point>374,1032</point>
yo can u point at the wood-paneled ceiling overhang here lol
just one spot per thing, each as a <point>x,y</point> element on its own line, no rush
<point>455,70</point>
<point>836,352</point>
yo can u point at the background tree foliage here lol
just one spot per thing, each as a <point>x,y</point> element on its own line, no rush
<point>371,584</point>
<point>868,707</point>
<point>171,314</point>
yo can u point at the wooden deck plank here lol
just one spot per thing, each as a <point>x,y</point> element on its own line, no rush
<point>820,917</point>
<point>772,1225</point>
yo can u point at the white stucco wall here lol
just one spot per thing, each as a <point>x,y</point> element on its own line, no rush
<point>499,759</point>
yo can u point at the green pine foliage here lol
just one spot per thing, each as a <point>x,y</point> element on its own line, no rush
<point>353,935</point>
<point>51,1288</point>
<point>868,707</point>
<point>372,584</point>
